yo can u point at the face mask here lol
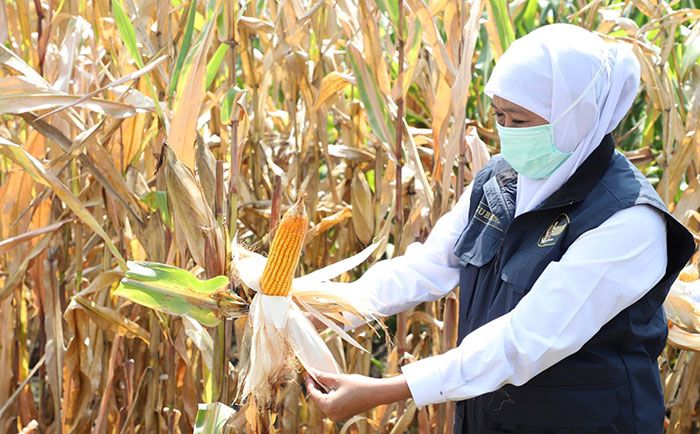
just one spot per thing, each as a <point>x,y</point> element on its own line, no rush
<point>531,150</point>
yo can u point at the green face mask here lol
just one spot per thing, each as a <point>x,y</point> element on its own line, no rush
<point>531,150</point>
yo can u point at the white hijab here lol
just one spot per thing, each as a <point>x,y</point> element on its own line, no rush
<point>566,73</point>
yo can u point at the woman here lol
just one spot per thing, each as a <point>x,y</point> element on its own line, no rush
<point>563,252</point>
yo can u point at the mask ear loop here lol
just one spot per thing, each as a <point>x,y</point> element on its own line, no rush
<point>585,91</point>
<point>576,101</point>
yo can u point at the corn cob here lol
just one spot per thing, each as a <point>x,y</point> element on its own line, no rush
<point>689,274</point>
<point>285,251</point>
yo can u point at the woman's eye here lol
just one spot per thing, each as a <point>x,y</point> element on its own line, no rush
<point>518,121</point>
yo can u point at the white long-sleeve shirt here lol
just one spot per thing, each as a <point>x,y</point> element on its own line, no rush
<point>604,271</point>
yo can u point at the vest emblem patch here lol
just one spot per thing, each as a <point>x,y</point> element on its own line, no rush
<point>556,228</point>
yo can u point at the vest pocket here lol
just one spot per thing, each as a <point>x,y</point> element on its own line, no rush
<point>518,274</point>
<point>504,300</point>
<point>566,409</point>
<point>523,268</point>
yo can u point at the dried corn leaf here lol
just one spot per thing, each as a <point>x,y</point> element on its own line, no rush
<point>11,242</point>
<point>190,94</point>
<point>43,176</point>
<point>206,171</point>
<point>684,339</point>
<point>19,95</point>
<point>331,84</point>
<point>372,98</point>
<point>202,233</point>
<point>109,319</point>
<point>362,208</point>
<point>12,60</point>
<point>114,84</point>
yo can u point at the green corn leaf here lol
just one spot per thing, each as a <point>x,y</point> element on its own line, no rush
<point>504,26</point>
<point>126,29</point>
<point>215,63</point>
<point>391,8</point>
<point>528,19</point>
<point>228,103</point>
<point>184,48</point>
<point>158,200</point>
<point>375,104</point>
<point>211,418</point>
<point>175,291</point>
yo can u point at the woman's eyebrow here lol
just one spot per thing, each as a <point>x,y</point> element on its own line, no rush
<point>507,109</point>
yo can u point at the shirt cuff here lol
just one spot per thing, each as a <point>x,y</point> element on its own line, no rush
<point>424,382</point>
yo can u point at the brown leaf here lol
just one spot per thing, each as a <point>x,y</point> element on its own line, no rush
<point>10,242</point>
<point>109,319</point>
<point>18,274</point>
<point>355,155</point>
<point>193,214</point>
<point>18,95</point>
<point>362,208</point>
<point>112,179</point>
<point>53,326</point>
<point>43,176</point>
<point>206,171</point>
<point>331,84</point>
<point>78,388</point>
<point>328,222</point>
<point>190,96</point>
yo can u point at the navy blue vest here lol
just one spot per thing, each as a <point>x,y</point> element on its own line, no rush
<point>612,384</point>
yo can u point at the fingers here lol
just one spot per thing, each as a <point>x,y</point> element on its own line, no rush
<point>313,390</point>
<point>326,379</point>
<point>313,377</point>
<point>324,401</point>
<point>318,384</point>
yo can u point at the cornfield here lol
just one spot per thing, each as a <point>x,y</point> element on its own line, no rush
<point>372,109</point>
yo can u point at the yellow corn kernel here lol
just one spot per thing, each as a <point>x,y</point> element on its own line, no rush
<point>689,274</point>
<point>285,251</point>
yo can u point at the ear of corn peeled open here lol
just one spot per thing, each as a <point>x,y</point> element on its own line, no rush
<point>278,337</point>
<point>278,333</point>
<point>285,252</point>
<point>682,306</point>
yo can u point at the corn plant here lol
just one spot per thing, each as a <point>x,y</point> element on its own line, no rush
<point>373,109</point>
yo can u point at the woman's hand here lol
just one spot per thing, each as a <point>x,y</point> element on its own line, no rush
<point>347,395</point>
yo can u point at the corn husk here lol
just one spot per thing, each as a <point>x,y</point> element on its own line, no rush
<point>280,339</point>
<point>682,308</point>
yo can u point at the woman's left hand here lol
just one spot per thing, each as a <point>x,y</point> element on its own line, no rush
<point>348,395</point>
